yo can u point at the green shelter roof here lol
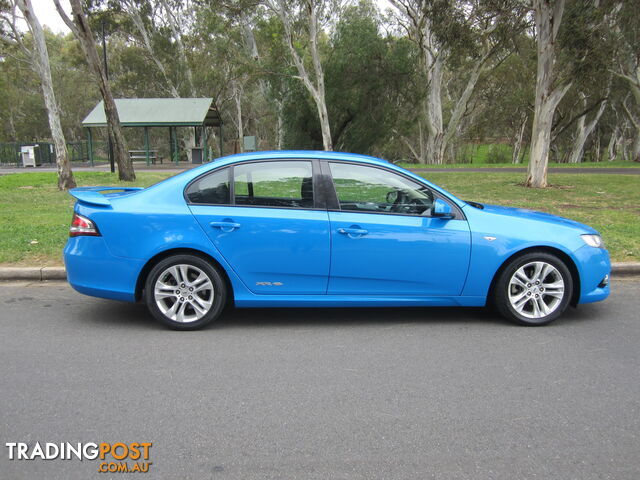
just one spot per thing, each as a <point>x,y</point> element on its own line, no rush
<point>158,112</point>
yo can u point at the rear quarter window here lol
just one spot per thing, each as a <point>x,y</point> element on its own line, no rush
<point>212,189</point>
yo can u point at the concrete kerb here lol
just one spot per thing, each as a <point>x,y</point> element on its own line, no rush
<point>32,273</point>
<point>59,273</point>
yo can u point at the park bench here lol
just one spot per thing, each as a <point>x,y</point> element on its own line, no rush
<point>142,155</point>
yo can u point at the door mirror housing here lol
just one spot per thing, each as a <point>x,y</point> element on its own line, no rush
<point>442,209</point>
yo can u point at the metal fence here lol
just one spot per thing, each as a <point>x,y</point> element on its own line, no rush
<point>44,152</point>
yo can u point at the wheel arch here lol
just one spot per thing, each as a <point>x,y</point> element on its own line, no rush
<point>144,273</point>
<point>568,261</point>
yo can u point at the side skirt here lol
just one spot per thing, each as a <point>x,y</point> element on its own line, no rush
<point>301,301</point>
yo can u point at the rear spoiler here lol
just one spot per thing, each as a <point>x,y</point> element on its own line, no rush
<point>95,196</point>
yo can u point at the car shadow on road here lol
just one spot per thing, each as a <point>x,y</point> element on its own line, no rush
<point>283,317</point>
<point>109,314</point>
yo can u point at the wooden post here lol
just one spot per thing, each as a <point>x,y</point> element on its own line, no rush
<point>146,144</point>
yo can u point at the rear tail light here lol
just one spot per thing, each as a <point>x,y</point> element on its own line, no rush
<point>82,226</point>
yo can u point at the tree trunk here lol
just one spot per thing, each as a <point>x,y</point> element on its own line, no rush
<point>132,9</point>
<point>635,149</point>
<point>13,135</point>
<point>435,142</point>
<point>279,125</point>
<point>175,25</point>
<point>548,18</point>
<point>319,74</point>
<point>82,31</point>
<point>517,146</point>
<point>237,95</point>
<point>316,90</point>
<point>583,131</point>
<point>612,147</point>
<point>41,64</point>
<point>453,125</point>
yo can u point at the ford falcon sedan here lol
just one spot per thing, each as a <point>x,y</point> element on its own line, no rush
<point>323,229</point>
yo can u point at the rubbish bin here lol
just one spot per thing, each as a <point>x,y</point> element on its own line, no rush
<point>28,156</point>
<point>196,155</point>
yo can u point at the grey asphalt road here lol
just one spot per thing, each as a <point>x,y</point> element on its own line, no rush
<point>324,393</point>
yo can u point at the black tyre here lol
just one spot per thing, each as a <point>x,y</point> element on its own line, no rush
<point>533,289</point>
<point>185,292</point>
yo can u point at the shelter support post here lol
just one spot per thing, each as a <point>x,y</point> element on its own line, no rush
<point>220,140</point>
<point>146,144</point>
<point>174,148</point>
<point>90,140</point>
<point>205,154</point>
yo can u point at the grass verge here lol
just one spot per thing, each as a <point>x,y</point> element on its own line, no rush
<point>35,216</point>
<point>568,166</point>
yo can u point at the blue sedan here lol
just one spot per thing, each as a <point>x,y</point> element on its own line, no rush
<point>323,229</point>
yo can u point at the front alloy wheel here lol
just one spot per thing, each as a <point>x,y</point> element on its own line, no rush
<point>534,289</point>
<point>185,292</point>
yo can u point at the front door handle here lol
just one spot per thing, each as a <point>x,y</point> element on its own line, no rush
<point>225,225</point>
<point>353,232</point>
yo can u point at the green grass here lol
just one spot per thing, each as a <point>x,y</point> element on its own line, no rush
<point>33,210</point>
<point>498,155</point>
<point>614,164</point>
<point>609,203</point>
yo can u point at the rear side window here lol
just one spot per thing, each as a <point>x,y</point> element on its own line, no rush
<point>286,184</point>
<point>212,189</point>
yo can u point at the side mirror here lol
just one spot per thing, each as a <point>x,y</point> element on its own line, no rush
<point>441,209</point>
<point>392,196</point>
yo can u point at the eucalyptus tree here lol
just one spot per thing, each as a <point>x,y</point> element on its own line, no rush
<point>162,28</point>
<point>81,30</point>
<point>549,92</point>
<point>369,80</point>
<point>368,85</point>
<point>474,34</point>
<point>38,56</point>
<point>572,51</point>
<point>506,98</point>
<point>302,21</point>
<point>626,65</point>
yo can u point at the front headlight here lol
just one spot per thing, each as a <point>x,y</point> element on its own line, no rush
<point>593,240</point>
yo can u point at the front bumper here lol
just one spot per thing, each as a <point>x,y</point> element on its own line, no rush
<point>92,270</point>
<point>593,266</point>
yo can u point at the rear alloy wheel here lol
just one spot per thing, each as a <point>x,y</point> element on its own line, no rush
<point>185,292</point>
<point>534,289</point>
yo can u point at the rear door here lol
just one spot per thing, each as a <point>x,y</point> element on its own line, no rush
<point>385,241</point>
<point>266,219</point>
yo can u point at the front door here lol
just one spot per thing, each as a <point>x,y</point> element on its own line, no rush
<point>385,241</point>
<point>264,221</point>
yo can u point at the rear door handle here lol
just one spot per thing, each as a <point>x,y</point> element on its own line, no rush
<point>225,226</point>
<point>353,231</point>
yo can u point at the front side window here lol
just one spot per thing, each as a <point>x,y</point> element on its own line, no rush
<point>286,184</point>
<point>212,189</point>
<point>368,189</point>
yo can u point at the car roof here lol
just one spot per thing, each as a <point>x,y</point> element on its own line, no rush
<point>306,154</point>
